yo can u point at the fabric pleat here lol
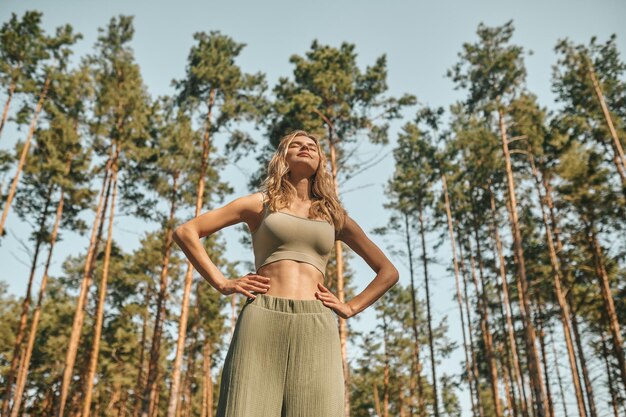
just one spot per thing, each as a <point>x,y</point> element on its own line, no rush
<point>284,360</point>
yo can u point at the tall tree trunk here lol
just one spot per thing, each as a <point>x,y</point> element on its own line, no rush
<point>530,385</point>
<point>386,385</point>
<point>23,155</point>
<point>544,356</point>
<point>620,170</point>
<point>566,274</point>
<point>150,391</point>
<point>139,385</point>
<point>485,327</point>
<point>459,298</point>
<point>93,357</point>
<point>617,145</point>
<point>401,400</point>
<point>5,112</point>
<point>415,355</point>
<point>207,381</point>
<point>562,302</point>
<point>469,323</point>
<point>607,298</point>
<point>343,328</point>
<point>510,329</point>
<point>583,364</point>
<point>18,354</point>
<point>25,365</point>
<point>609,376</point>
<point>79,314</point>
<point>510,397</point>
<point>184,308</point>
<point>154,404</point>
<point>483,305</point>
<point>191,360</point>
<point>428,309</point>
<point>541,404</point>
<point>558,373</point>
<point>376,400</point>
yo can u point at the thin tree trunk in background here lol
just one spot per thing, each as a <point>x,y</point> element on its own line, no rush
<point>181,402</point>
<point>541,404</point>
<point>458,294</point>
<point>428,309</point>
<point>510,329</point>
<point>90,260</point>
<point>562,302</point>
<point>207,381</point>
<point>469,322</point>
<point>48,406</point>
<point>187,389</point>
<point>544,357</point>
<point>233,313</point>
<point>184,309</point>
<point>343,328</point>
<point>401,400</point>
<point>507,386</point>
<point>483,307</point>
<point>558,373</point>
<point>93,358</point>
<point>150,391</point>
<point>617,145</point>
<point>609,376</point>
<point>607,298</point>
<point>376,400</point>
<point>25,366</point>
<point>415,356</point>
<point>505,355</point>
<point>23,155</point>
<point>505,352</point>
<point>5,112</point>
<point>583,365</point>
<point>567,277</point>
<point>385,369</point>
<point>18,355</point>
<point>191,359</point>
<point>486,333</point>
<point>139,386</point>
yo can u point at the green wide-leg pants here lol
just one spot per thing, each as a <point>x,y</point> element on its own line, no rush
<point>284,360</point>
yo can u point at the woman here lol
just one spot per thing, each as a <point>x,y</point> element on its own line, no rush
<point>284,358</point>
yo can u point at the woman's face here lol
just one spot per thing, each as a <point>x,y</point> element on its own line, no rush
<point>302,156</point>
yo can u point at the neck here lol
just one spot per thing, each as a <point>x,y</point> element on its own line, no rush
<point>302,186</point>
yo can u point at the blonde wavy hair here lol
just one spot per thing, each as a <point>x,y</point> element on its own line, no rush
<point>280,192</point>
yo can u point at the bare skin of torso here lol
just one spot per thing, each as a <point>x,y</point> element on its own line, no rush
<point>290,279</point>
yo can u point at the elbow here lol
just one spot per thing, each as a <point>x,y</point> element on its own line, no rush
<point>179,234</point>
<point>394,275</point>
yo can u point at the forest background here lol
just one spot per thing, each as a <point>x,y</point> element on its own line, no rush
<point>421,42</point>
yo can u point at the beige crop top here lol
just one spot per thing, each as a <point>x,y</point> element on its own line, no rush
<point>287,236</point>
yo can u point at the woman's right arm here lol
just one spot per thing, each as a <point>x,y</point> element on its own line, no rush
<point>188,236</point>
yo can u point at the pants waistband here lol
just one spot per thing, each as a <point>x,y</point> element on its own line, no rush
<point>288,305</point>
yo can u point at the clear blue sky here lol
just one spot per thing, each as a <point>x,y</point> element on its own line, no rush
<point>421,40</point>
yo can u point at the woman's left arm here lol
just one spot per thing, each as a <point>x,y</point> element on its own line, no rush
<point>386,274</point>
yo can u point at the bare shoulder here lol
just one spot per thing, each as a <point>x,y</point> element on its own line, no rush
<point>350,228</point>
<point>246,208</point>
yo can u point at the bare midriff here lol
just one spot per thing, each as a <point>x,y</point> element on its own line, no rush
<point>292,279</point>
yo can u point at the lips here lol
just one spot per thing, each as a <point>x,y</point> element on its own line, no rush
<point>304,153</point>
